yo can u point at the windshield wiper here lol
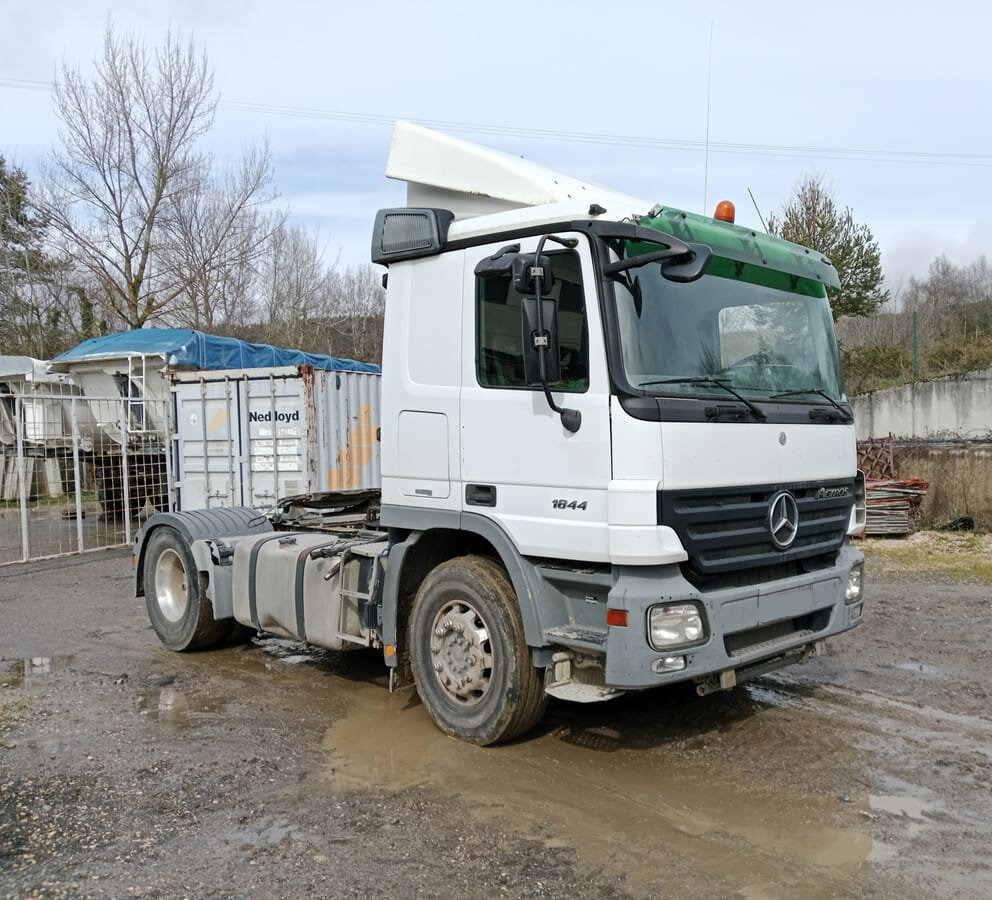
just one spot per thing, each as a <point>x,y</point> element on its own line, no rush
<point>702,379</point>
<point>847,417</point>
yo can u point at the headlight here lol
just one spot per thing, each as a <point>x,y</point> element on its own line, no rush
<point>675,624</point>
<point>854,581</point>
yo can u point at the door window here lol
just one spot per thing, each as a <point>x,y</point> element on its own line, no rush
<point>499,351</point>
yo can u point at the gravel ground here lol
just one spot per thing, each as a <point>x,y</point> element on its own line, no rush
<point>273,769</point>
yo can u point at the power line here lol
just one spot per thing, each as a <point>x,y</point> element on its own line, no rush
<point>912,157</point>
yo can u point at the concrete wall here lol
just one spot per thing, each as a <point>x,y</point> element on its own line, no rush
<point>955,407</point>
<point>943,432</point>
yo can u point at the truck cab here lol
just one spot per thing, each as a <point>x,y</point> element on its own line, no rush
<point>696,522</point>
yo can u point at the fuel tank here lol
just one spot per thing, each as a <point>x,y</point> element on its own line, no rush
<point>305,586</point>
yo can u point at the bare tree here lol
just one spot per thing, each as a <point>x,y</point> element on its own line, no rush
<point>130,186</point>
<point>359,306</point>
<point>295,290</point>
<point>307,303</point>
<point>216,232</point>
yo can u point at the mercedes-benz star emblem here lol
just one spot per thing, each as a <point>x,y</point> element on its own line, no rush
<point>783,519</point>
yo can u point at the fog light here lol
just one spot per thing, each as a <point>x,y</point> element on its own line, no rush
<point>674,625</point>
<point>668,664</point>
<point>854,579</point>
<point>856,612</point>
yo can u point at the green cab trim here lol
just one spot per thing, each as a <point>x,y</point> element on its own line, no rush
<point>722,267</point>
<point>745,255</point>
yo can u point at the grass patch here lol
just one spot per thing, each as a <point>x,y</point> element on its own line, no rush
<point>966,557</point>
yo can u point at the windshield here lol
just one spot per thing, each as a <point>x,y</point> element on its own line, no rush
<point>759,340</point>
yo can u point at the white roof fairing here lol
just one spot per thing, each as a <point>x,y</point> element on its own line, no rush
<point>476,182</point>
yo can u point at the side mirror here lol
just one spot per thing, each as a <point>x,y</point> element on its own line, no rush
<point>682,270</point>
<point>526,268</point>
<point>534,339</point>
<point>407,233</point>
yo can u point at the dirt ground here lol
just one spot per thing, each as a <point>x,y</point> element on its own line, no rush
<point>52,529</point>
<point>275,770</point>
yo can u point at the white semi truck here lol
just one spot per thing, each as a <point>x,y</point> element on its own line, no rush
<point>616,454</point>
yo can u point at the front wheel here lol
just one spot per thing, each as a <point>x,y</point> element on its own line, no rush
<point>181,615</point>
<point>469,655</point>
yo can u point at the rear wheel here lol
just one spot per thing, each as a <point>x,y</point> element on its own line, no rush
<point>182,617</point>
<point>469,655</point>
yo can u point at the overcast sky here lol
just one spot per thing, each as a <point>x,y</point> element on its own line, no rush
<point>889,102</point>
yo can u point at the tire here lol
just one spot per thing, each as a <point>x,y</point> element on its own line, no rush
<point>481,688</point>
<point>182,617</point>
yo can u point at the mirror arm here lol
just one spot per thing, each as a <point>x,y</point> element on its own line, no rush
<point>635,262</point>
<point>571,419</point>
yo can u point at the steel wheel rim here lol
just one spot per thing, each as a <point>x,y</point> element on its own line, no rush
<point>461,653</point>
<point>171,586</point>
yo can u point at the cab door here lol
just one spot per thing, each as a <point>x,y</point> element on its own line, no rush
<point>545,486</point>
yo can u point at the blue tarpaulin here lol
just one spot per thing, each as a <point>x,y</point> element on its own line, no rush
<point>184,348</point>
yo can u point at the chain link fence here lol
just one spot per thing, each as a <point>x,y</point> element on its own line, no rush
<point>77,474</point>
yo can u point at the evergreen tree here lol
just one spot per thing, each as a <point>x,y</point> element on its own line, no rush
<point>811,218</point>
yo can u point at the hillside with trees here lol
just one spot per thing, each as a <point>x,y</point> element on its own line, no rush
<point>950,313</point>
<point>934,326</point>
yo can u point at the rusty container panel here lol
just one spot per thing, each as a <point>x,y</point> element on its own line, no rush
<point>349,431</point>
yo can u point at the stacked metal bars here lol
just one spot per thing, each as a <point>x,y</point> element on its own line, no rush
<point>893,502</point>
<point>894,505</point>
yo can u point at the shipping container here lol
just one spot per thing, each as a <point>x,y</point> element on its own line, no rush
<point>249,437</point>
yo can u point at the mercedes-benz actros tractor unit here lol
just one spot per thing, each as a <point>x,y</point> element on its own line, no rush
<point>616,453</point>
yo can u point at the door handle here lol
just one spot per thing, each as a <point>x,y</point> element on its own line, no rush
<point>480,495</point>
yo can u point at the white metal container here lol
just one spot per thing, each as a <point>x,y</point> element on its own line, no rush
<point>43,399</point>
<point>126,400</point>
<point>248,437</point>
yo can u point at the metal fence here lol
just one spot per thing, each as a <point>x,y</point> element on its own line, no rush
<point>77,473</point>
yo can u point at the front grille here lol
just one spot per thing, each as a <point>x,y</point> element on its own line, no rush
<point>725,531</point>
<point>742,577</point>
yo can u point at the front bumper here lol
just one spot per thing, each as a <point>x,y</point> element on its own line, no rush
<point>747,626</point>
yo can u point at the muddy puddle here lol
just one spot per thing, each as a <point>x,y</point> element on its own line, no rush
<point>27,671</point>
<point>609,792</point>
<point>659,787</point>
<point>926,670</point>
<point>176,709</point>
